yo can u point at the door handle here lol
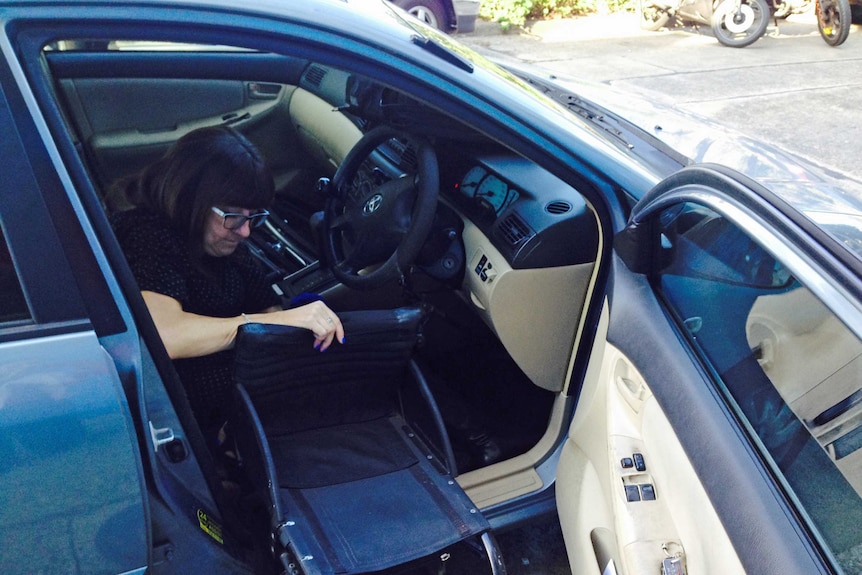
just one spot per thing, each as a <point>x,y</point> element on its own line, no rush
<point>630,388</point>
<point>234,118</point>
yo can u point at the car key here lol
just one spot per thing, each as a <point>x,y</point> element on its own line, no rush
<point>672,566</point>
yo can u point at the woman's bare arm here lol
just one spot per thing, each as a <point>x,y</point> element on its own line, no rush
<point>187,334</point>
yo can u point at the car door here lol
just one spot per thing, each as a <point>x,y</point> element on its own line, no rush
<point>717,427</point>
<point>129,101</point>
<point>104,469</point>
<point>72,491</point>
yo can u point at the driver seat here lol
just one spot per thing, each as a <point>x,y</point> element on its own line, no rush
<point>351,452</point>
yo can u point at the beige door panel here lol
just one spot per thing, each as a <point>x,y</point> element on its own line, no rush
<point>647,510</point>
<point>583,510</point>
<point>815,363</point>
<point>127,123</point>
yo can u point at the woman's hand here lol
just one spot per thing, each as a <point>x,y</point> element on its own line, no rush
<point>316,317</point>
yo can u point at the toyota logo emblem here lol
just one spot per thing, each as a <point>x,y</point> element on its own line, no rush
<point>372,204</point>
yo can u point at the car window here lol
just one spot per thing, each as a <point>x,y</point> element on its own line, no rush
<point>787,365</point>
<point>13,305</point>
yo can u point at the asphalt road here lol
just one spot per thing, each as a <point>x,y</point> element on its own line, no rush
<point>789,88</point>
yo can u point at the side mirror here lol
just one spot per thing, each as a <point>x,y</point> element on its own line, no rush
<point>634,247</point>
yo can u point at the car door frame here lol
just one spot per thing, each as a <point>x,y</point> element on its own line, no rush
<point>75,383</point>
<point>759,514</point>
<point>208,536</point>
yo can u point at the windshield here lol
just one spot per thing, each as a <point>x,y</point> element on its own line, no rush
<point>827,198</point>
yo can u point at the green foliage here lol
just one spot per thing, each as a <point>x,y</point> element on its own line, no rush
<point>619,5</point>
<point>507,13</point>
<point>515,13</point>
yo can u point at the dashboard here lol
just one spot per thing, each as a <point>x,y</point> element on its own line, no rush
<point>533,218</point>
<point>516,242</point>
<point>487,190</point>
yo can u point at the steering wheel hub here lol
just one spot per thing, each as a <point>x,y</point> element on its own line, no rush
<point>374,232</point>
<point>372,204</point>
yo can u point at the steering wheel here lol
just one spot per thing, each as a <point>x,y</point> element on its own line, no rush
<point>368,223</point>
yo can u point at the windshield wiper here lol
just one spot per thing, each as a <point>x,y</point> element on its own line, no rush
<point>582,108</point>
<point>442,52</point>
<point>588,112</point>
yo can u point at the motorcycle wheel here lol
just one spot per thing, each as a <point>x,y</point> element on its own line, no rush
<point>833,20</point>
<point>650,16</point>
<point>738,23</point>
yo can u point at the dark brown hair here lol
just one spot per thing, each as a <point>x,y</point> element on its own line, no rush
<point>214,166</point>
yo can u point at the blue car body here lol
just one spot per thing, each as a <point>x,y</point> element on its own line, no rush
<point>102,467</point>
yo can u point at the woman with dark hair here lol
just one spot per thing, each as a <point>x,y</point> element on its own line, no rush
<point>183,239</point>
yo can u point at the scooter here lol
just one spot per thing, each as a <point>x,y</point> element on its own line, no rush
<point>739,23</point>
<point>833,16</point>
<point>735,23</point>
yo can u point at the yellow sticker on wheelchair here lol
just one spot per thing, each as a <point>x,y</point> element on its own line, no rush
<point>210,526</point>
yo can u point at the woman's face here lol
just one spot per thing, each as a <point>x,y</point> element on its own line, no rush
<point>219,241</point>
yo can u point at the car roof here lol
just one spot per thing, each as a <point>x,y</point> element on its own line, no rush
<point>312,10</point>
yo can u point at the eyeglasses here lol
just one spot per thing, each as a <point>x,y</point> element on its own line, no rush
<point>234,221</point>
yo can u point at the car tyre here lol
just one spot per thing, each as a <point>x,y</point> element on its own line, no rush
<point>431,12</point>
<point>833,20</point>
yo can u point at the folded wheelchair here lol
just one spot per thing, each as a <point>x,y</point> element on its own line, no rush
<point>351,453</point>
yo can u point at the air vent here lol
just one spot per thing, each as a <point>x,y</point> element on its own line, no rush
<point>514,230</point>
<point>401,153</point>
<point>409,162</point>
<point>315,75</point>
<point>558,207</point>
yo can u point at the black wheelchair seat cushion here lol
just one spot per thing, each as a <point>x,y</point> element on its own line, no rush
<point>340,454</point>
<point>295,387</point>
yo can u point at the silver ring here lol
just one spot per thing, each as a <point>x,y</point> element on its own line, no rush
<point>329,319</point>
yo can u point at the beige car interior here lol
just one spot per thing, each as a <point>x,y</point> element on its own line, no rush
<point>545,357</point>
<point>540,336</point>
<point>617,418</point>
<point>326,134</point>
<point>814,362</point>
